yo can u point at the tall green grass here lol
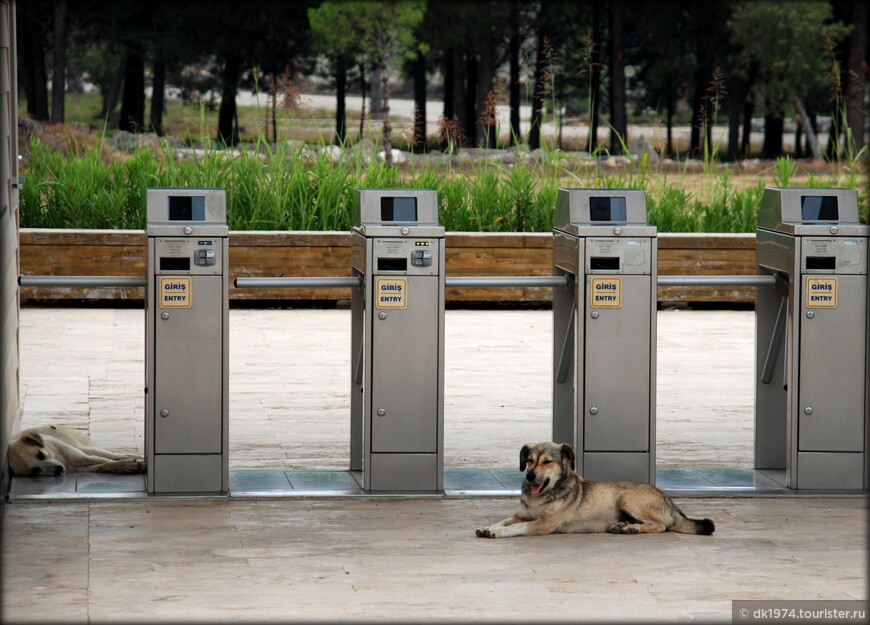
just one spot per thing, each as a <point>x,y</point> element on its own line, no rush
<point>273,187</point>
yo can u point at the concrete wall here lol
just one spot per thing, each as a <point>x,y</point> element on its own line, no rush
<point>9,398</point>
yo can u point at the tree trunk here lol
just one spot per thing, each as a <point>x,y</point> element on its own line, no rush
<point>858,44</point>
<point>595,81</point>
<point>618,123</point>
<point>110,99</point>
<point>837,122</point>
<point>803,118</point>
<point>133,101</point>
<point>273,108</point>
<point>385,110</point>
<point>449,91</point>
<point>485,100</point>
<point>748,110</point>
<point>340,100</point>
<point>362,88</point>
<point>469,119</point>
<point>227,111</point>
<point>773,129</point>
<point>799,151</point>
<point>669,106</point>
<point>746,137</point>
<point>699,110</point>
<point>514,88</point>
<point>538,94</point>
<point>420,103</point>
<point>736,99</point>
<point>158,96</point>
<point>33,71</point>
<point>58,75</point>
<point>377,105</point>
<point>459,106</point>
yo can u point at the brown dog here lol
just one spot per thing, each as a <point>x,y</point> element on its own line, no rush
<point>556,500</point>
<point>56,449</point>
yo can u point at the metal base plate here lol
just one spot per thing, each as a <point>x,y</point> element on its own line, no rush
<point>493,482</point>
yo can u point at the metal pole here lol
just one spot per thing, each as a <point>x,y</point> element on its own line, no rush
<point>296,283</point>
<point>350,282</point>
<point>506,281</point>
<point>86,281</point>
<point>567,348</point>
<point>764,280</point>
<point>775,342</point>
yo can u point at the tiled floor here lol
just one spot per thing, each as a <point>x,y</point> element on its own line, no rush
<point>97,549</point>
<point>413,560</point>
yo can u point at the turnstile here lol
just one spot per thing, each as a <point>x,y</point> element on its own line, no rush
<point>186,341</point>
<point>604,328</point>
<point>811,415</point>
<point>397,341</point>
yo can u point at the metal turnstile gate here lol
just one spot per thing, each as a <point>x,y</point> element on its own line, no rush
<point>604,329</point>
<point>397,341</point>
<point>186,341</point>
<point>811,414</point>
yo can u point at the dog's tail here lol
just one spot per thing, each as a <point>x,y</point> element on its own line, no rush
<point>694,526</point>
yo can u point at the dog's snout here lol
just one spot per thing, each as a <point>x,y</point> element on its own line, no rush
<point>531,477</point>
<point>58,470</point>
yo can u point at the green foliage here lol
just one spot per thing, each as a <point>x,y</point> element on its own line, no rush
<point>787,41</point>
<point>280,188</point>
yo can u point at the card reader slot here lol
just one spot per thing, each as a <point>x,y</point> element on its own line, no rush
<point>606,263</point>
<point>821,262</point>
<point>175,263</point>
<point>392,264</point>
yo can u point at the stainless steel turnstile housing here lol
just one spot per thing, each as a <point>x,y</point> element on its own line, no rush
<point>186,341</point>
<point>811,414</point>
<point>604,328</point>
<point>397,341</point>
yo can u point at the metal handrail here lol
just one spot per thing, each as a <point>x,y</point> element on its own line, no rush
<point>345,282</point>
<point>87,281</point>
<point>760,280</point>
<point>297,283</point>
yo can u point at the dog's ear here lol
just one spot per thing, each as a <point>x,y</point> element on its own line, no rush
<point>567,456</point>
<point>524,457</point>
<point>34,439</point>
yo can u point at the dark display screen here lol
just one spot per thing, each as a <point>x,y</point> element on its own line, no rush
<point>607,209</point>
<point>186,208</point>
<point>398,209</point>
<point>819,208</point>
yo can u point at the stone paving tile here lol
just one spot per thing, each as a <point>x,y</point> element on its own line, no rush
<point>401,560</point>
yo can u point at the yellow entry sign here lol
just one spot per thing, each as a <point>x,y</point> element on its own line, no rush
<point>175,292</point>
<point>391,293</point>
<point>821,292</point>
<point>606,293</point>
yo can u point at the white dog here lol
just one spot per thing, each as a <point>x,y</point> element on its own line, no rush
<point>56,449</point>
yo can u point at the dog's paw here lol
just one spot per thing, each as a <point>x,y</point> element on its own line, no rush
<point>484,532</point>
<point>623,528</point>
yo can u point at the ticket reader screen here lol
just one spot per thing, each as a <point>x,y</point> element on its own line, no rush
<point>607,209</point>
<point>186,208</point>
<point>819,208</point>
<point>398,209</point>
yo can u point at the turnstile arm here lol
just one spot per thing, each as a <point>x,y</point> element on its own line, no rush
<point>756,280</point>
<point>297,283</point>
<point>505,281</point>
<point>567,348</point>
<point>87,281</point>
<point>775,343</point>
<point>498,281</point>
